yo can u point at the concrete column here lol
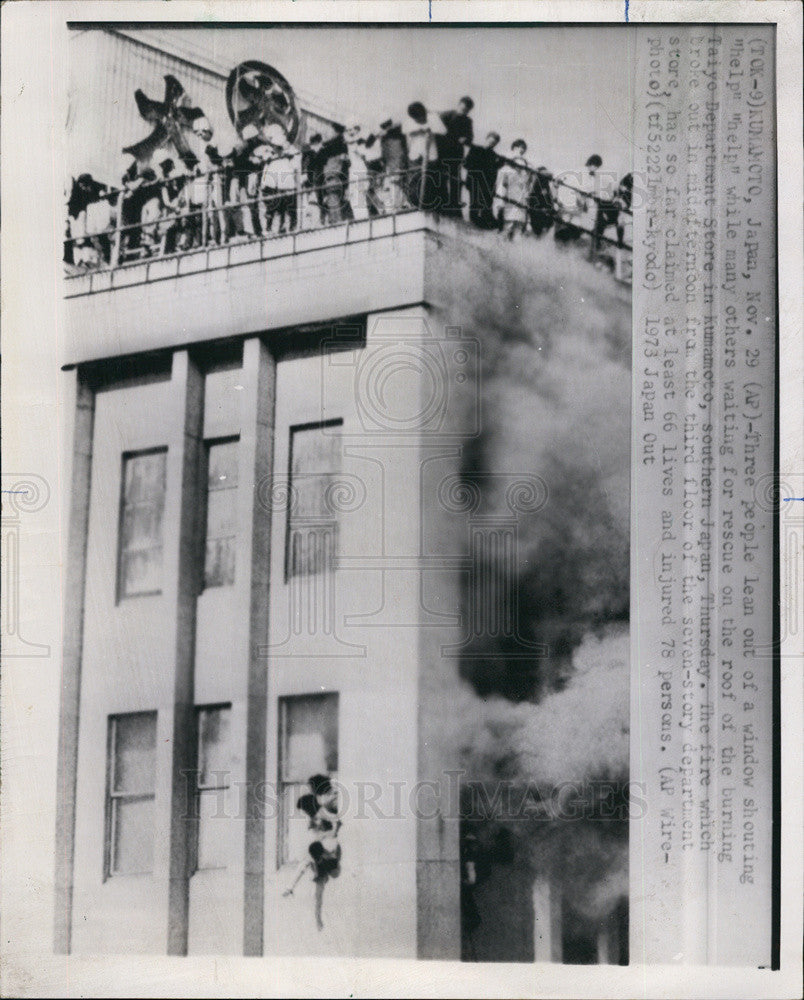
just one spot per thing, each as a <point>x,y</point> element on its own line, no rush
<point>604,955</point>
<point>542,921</point>
<point>73,625</point>
<point>256,451</point>
<point>181,566</point>
<point>547,921</point>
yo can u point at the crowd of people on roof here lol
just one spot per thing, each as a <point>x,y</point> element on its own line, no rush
<point>266,186</point>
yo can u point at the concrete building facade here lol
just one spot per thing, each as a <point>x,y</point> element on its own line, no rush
<point>331,616</point>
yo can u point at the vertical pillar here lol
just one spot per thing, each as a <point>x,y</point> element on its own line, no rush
<point>73,625</point>
<point>181,533</point>
<point>604,955</point>
<point>542,921</point>
<point>256,450</point>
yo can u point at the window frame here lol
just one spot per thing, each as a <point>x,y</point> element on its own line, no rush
<point>281,783</point>
<point>120,594</point>
<point>210,443</point>
<point>293,429</point>
<point>113,796</point>
<point>198,790</point>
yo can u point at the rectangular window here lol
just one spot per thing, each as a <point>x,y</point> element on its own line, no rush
<point>221,526</point>
<point>308,745</point>
<point>315,462</point>
<point>130,797</point>
<point>213,834</point>
<point>142,509</point>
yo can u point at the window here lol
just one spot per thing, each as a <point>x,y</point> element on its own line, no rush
<point>213,775</point>
<point>315,453</point>
<point>130,794</point>
<point>143,504</point>
<point>221,528</point>
<point>308,745</point>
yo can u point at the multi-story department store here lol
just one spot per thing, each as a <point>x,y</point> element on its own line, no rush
<point>267,441</point>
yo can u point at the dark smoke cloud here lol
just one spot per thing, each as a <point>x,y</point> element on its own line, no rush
<point>556,389</point>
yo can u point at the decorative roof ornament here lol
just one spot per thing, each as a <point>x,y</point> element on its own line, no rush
<point>171,118</point>
<point>258,95</point>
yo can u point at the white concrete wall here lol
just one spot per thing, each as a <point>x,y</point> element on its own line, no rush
<point>127,667</point>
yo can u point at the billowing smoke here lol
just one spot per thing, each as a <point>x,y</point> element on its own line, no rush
<point>574,735</point>
<point>556,389</point>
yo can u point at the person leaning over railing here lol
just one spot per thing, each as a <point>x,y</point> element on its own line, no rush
<point>513,190</point>
<point>427,188</point>
<point>130,208</point>
<point>542,209</point>
<point>87,245</point>
<point>211,165</point>
<point>243,185</point>
<point>394,157</point>
<point>312,181</point>
<point>193,203</point>
<point>334,173</point>
<point>279,181</point>
<point>172,186</point>
<point>597,208</point>
<point>454,146</point>
<point>482,165</point>
<point>623,199</point>
<point>150,213</point>
<point>375,175</point>
<point>362,189</point>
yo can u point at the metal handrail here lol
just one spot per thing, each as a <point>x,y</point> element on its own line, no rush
<point>375,183</point>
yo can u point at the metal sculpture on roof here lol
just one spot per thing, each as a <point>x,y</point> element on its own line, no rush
<point>171,118</point>
<point>258,95</point>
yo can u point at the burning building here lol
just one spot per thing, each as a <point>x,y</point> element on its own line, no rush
<point>349,500</point>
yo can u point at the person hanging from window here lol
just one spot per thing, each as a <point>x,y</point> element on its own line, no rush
<point>324,849</point>
<point>454,147</point>
<point>426,186</point>
<point>482,166</point>
<point>513,191</point>
<point>541,202</point>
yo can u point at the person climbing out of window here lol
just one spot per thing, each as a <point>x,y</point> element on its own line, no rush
<point>324,850</point>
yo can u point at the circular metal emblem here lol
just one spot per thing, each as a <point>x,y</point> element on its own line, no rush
<point>258,95</point>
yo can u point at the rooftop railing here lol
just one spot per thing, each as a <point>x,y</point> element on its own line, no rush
<point>196,212</point>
